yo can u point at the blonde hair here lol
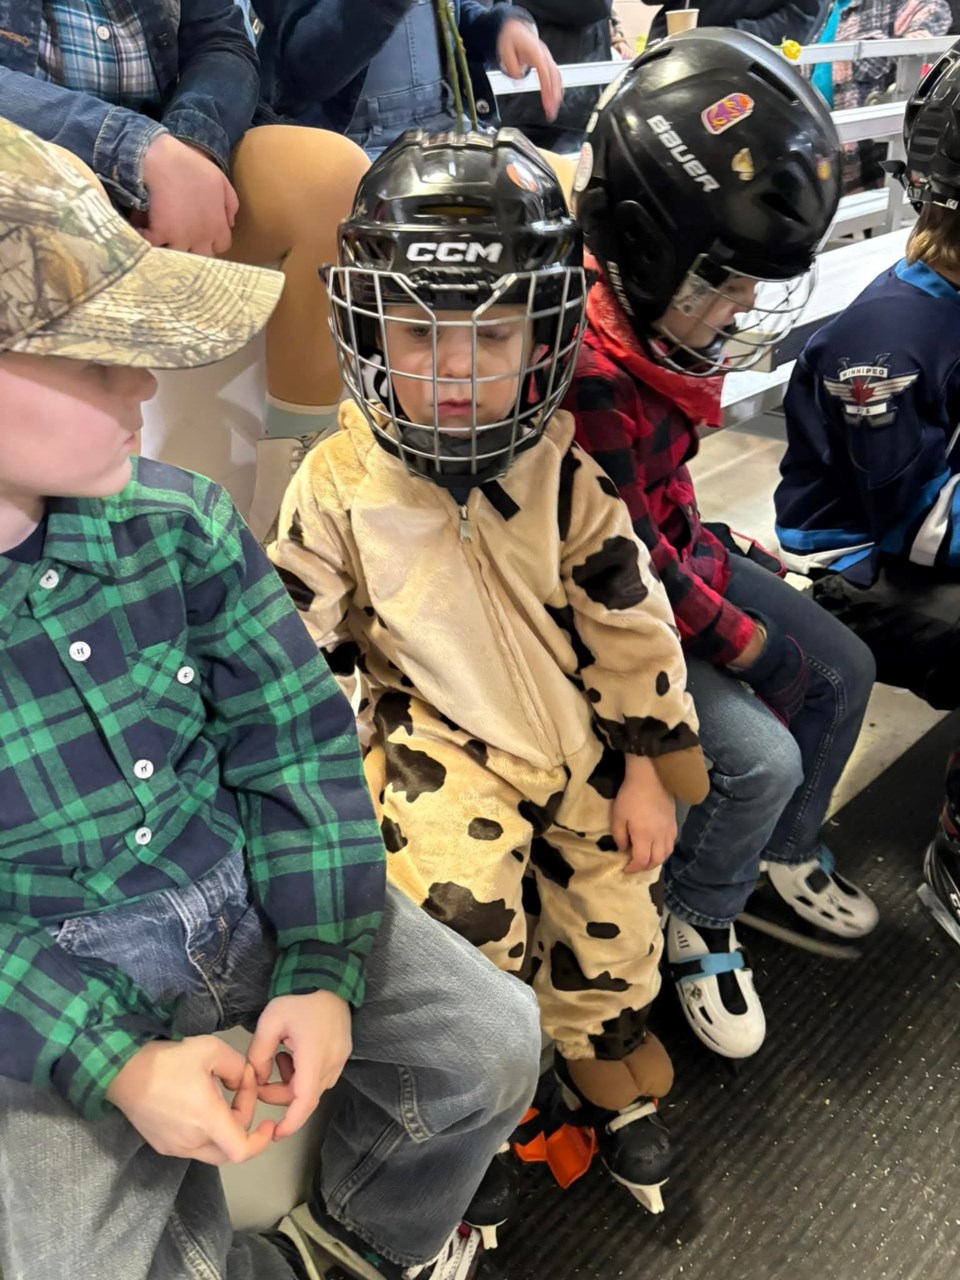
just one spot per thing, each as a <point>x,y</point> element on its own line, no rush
<point>935,239</point>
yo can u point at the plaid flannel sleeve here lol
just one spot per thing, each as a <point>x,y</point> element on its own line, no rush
<point>288,750</point>
<point>608,423</point>
<point>68,1022</point>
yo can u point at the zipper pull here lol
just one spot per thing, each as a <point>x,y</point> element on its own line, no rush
<point>465,532</point>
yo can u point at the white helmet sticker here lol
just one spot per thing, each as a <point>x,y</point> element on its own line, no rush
<point>584,167</point>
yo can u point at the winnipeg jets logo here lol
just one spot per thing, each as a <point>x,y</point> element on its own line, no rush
<point>866,391</point>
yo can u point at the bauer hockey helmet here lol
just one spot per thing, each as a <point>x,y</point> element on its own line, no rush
<point>931,137</point>
<point>468,224</point>
<point>709,160</point>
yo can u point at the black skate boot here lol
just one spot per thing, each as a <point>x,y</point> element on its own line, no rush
<point>497,1198</point>
<point>940,893</point>
<point>633,1141</point>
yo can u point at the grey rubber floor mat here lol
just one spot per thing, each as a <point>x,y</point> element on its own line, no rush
<point>833,1154</point>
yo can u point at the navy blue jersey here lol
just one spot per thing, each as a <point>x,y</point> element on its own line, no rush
<point>872,413</point>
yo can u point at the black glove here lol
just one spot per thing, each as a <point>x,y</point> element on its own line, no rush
<point>779,676</point>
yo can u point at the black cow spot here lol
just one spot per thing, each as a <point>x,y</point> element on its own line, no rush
<point>602,929</point>
<point>645,735</point>
<point>362,706</point>
<point>593,695</point>
<point>569,467</point>
<point>621,1035</point>
<point>540,816</point>
<point>607,776</point>
<point>484,829</point>
<point>607,485</point>
<point>611,576</point>
<point>550,862</point>
<point>663,683</point>
<point>393,712</point>
<point>298,591</point>
<point>448,722</point>
<point>566,974</point>
<point>406,682</point>
<point>479,922</point>
<point>536,964</point>
<point>516,952</point>
<point>564,619</point>
<point>413,772</point>
<point>518,854</point>
<point>393,838</point>
<point>295,532</point>
<point>342,658</point>
<point>477,750</point>
<point>530,897</point>
<point>607,844</point>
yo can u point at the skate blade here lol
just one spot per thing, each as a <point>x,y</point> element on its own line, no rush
<point>796,938</point>
<point>300,1226</point>
<point>939,912</point>
<point>649,1195</point>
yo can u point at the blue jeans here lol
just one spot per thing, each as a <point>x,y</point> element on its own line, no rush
<point>769,786</point>
<point>446,1056</point>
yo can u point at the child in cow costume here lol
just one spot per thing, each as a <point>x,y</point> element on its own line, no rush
<point>707,180</point>
<point>525,689</point>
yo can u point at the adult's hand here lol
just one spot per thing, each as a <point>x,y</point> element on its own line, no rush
<point>171,1093</point>
<point>192,204</point>
<point>519,49</point>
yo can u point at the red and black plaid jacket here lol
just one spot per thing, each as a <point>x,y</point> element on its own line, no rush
<point>643,440</point>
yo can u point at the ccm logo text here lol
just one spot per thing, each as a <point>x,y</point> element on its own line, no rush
<point>683,156</point>
<point>467,251</point>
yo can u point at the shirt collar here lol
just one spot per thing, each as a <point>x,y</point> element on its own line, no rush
<point>79,534</point>
<point>926,279</point>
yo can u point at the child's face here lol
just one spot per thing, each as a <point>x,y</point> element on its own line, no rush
<point>501,355</point>
<point>67,428</point>
<point>697,321</point>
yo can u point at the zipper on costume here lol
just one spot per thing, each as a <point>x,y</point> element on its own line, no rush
<point>466,533</point>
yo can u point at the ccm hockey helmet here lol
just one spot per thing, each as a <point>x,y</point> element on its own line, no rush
<point>709,161</point>
<point>448,234</point>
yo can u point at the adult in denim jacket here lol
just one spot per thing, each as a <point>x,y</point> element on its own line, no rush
<point>193,175</point>
<point>372,68</point>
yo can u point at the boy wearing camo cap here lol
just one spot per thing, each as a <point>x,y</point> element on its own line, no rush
<point>186,842</point>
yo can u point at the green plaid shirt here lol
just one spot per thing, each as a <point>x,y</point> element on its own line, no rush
<point>162,707</point>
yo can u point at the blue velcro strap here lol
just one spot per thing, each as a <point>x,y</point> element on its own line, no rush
<point>712,965</point>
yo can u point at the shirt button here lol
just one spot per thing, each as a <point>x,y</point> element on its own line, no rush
<point>143,769</point>
<point>143,835</point>
<point>185,675</point>
<point>103,32</point>
<point>49,579</point>
<point>79,651</point>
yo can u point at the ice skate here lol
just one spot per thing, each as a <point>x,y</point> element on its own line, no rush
<point>320,1238</point>
<point>940,892</point>
<point>812,907</point>
<point>715,987</point>
<point>496,1199</point>
<point>633,1141</point>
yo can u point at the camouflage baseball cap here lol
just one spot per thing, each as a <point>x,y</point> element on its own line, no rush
<point>77,281</point>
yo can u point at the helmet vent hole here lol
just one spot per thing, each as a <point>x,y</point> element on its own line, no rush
<point>780,206</point>
<point>775,82</point>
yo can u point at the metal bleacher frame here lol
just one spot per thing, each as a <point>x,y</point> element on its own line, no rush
<point>881,215</point>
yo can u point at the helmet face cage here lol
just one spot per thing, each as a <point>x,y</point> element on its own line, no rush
<point>549,306</point>
<point>743,343</point>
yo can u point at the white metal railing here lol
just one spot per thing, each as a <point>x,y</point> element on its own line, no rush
<point>577,74</point>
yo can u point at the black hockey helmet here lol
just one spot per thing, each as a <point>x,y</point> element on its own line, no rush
<point>465,223</point>
<point>709,158</point>
<point>931,137</point>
